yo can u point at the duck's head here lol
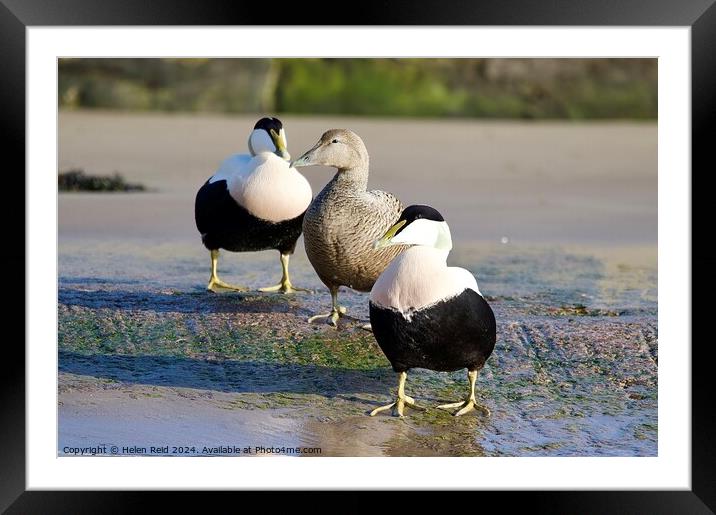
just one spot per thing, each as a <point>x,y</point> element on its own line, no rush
<point>268,136</point>
<point>418,225</point>
<point>340,148</point>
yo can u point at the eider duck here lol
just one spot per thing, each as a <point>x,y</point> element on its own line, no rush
<point>254,202</point>
<point>344,219</point>
<point>425,314</point>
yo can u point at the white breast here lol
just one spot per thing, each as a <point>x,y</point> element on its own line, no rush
<point>418,278</point>
<point>270,189</point>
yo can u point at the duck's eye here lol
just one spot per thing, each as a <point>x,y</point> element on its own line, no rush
<point>334,141</point>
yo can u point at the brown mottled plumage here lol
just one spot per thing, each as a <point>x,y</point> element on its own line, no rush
<point>345,219</point>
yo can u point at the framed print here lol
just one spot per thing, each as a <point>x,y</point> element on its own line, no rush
<point>516,181</point>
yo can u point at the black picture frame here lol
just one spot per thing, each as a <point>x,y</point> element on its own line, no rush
<point>700,15</point>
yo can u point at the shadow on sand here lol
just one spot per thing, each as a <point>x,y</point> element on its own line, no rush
<point>228,376</point>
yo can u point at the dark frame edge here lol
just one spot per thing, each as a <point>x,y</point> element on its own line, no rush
<point>12,379</point>
<point>371,12</point>
<point>551,502</point>
<point>703,133</point>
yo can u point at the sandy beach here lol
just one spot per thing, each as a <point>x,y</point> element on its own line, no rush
<point>558,221</point>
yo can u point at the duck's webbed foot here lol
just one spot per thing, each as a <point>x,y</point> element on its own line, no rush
<point>398,406</point>
<point>284,287</point>
<point>330,318</point>
<point>402,400</point>
<point>469,404</point>
<point>465,407</point>
<point>216,285</point>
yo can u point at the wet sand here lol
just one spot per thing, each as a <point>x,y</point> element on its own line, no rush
<point>532,182</point>
<point>146,356</point>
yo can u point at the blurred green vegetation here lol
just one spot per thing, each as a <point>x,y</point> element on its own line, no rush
<point>486,88</point>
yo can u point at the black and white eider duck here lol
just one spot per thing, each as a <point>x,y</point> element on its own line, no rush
<point>425,314</point>
<point>254,202</point>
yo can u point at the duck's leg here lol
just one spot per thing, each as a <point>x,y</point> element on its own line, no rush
<point>470,403</point>
<point>285,285</point>
<point>402,400</point>
<point>336,313</point>
<point>215,282</point>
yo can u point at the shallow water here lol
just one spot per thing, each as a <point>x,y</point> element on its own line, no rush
<point>146,355</point>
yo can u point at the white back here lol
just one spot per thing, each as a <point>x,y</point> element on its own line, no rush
<point>270,189</point>
<point>234,165</point>
<point>419,278</point>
